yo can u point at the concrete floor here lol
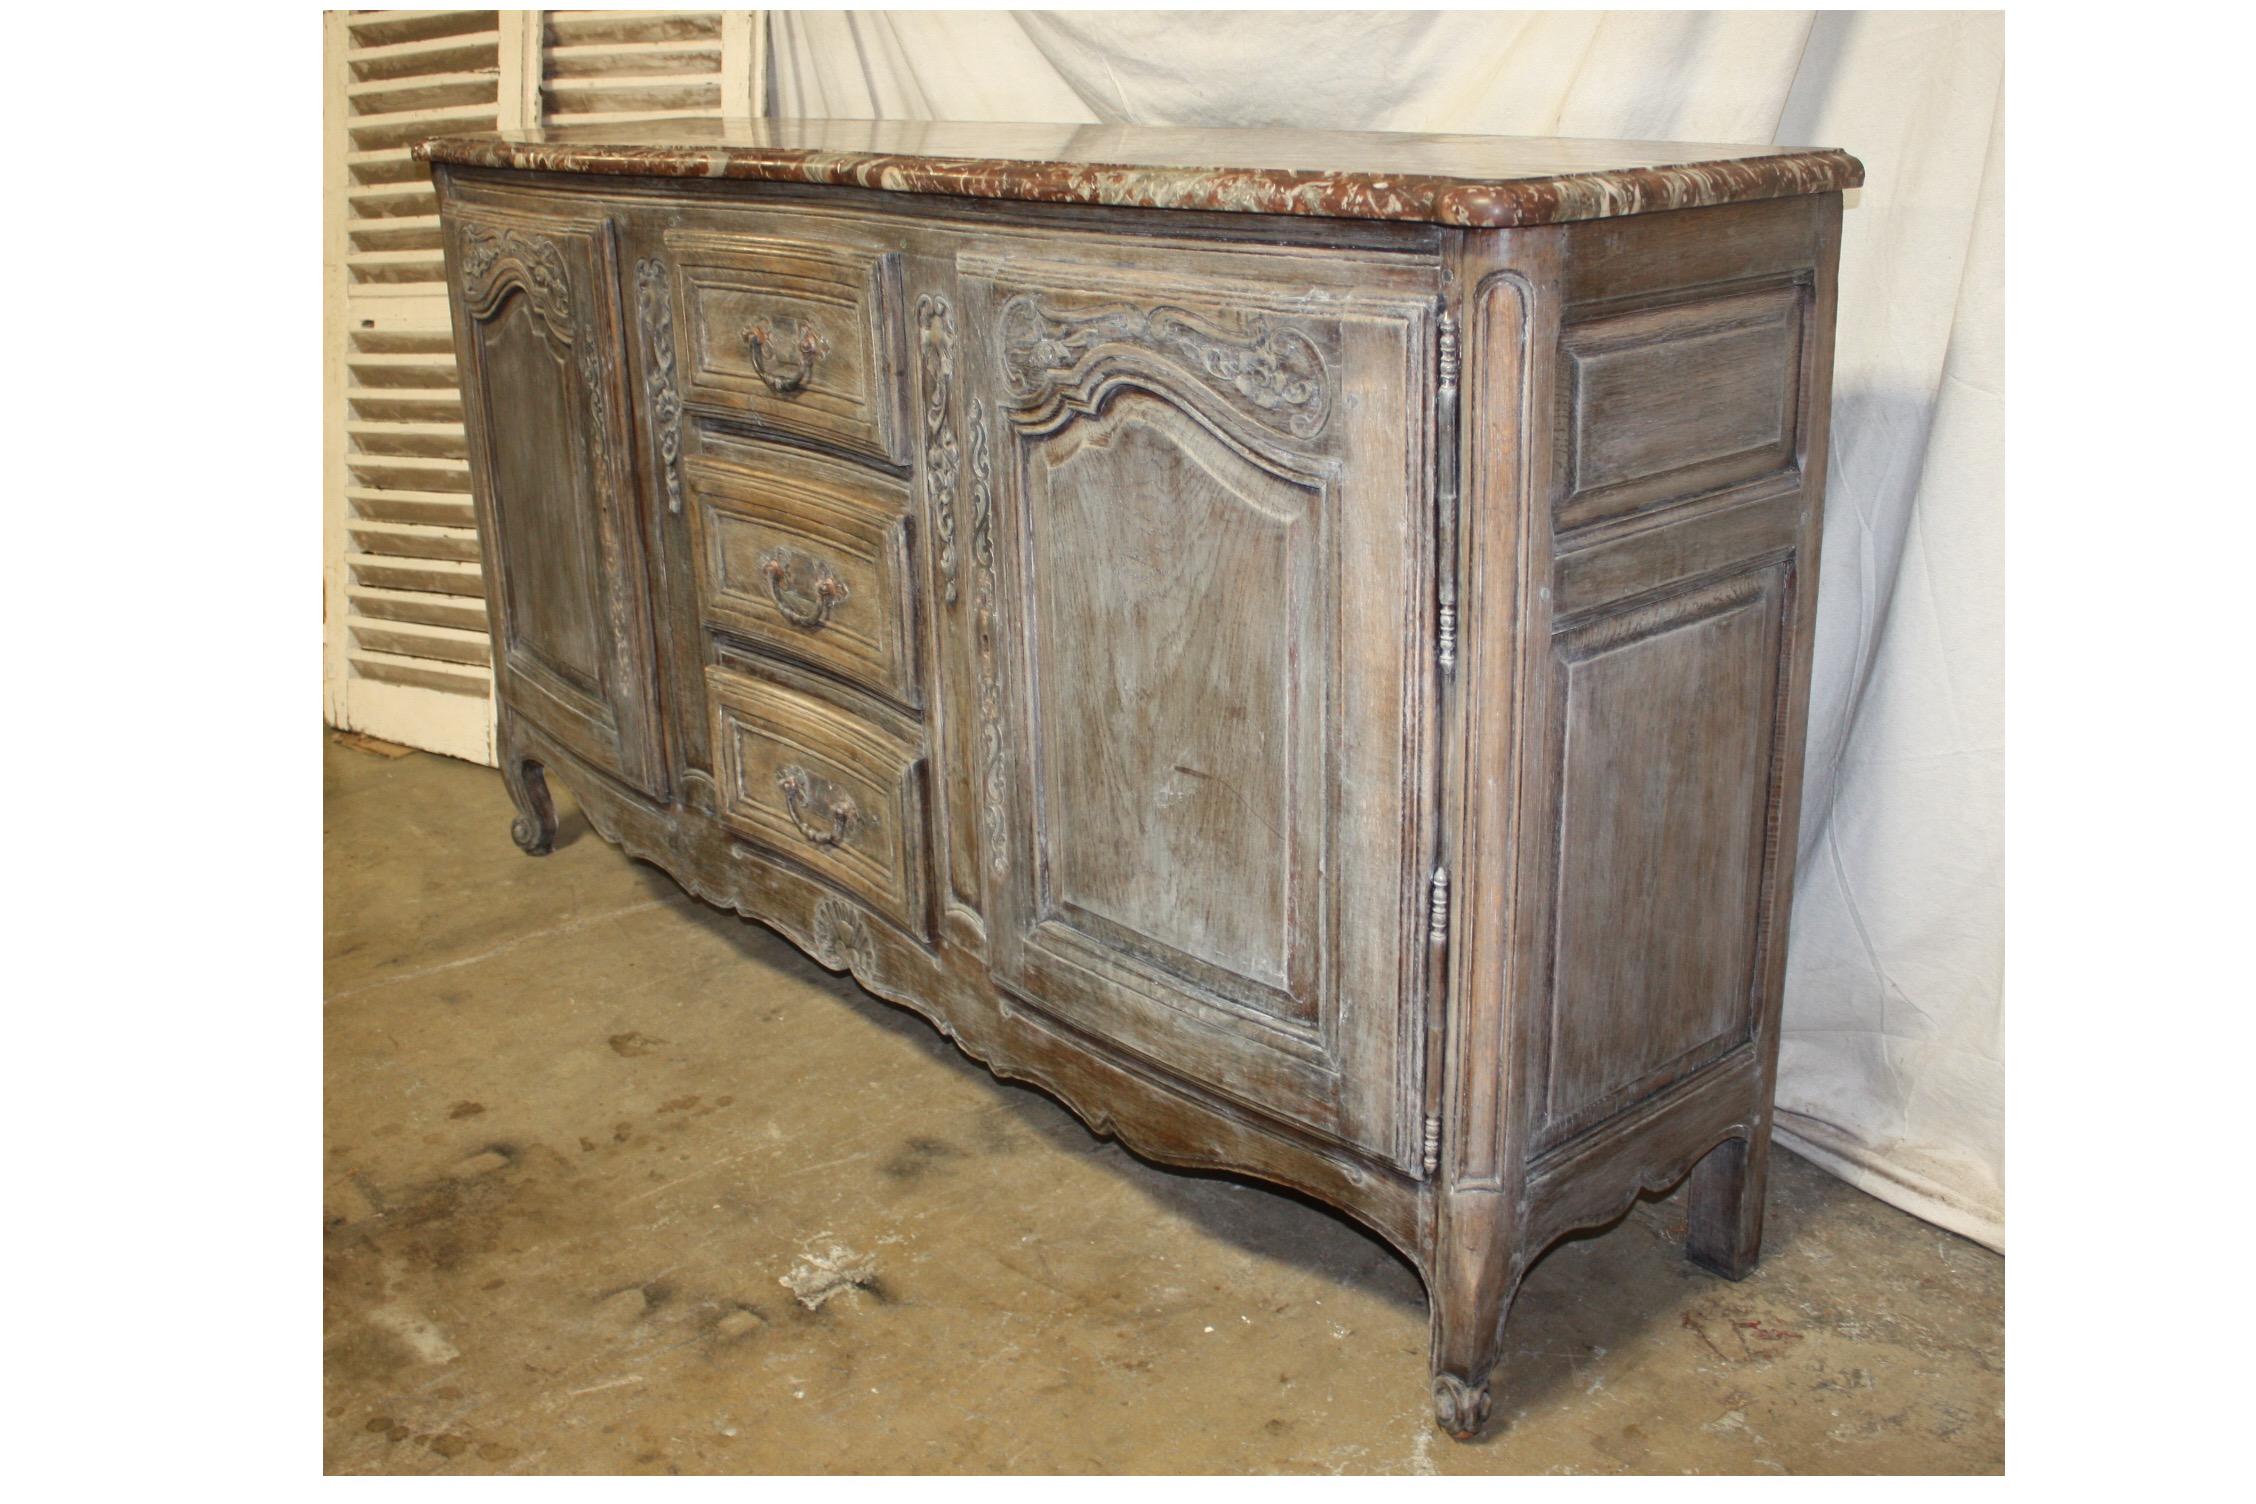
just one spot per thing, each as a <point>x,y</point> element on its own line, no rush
<point>581,1129</point>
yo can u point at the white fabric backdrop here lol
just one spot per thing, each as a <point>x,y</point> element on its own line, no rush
<point>1892,1072</point>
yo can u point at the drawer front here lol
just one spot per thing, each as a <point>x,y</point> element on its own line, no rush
<point>809,570</point>
<point>803,338</point>
<point>824,788</point>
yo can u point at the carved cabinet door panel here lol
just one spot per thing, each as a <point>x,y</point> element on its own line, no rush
<point>538,329</point>
<point>1201,571</point>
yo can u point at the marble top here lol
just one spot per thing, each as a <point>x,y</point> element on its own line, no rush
<point>1483,181</point>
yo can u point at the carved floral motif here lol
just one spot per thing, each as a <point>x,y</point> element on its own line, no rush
<point>990,666</point>
<point>654,308</point>
<point>1271,372</point>
<point>943,464</point>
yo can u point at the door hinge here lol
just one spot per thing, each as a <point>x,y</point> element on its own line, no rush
<point>1449,356</point>
<point>1432,1156</point>
<point>1437,931</point>
<point>1448,361</point>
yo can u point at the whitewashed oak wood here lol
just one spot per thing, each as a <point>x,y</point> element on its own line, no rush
<point>1322,696</point>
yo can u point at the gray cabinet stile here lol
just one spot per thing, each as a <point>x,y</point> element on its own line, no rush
<point>1312,676</point>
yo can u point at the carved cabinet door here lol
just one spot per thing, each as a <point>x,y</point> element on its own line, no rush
<point>1201,585</point>
<point>538,330</point>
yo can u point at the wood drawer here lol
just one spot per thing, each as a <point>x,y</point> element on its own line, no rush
<point>809,568</point>
<point>804,338</point>
<point>830,790</point>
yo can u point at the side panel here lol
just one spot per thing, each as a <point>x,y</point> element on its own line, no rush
<point>1659,453</point>
<point>1667,734</point>
<point>1682,513</point>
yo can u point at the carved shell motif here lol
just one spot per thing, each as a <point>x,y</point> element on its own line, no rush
<point>840,939</point>
<point>1271,372</point>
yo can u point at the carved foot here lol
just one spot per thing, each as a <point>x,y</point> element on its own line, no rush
<point>534,829</point>
<point>532,837</point>
<point>1461,1408</point>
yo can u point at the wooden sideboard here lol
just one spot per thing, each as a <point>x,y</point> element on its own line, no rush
<point>1296,644</point>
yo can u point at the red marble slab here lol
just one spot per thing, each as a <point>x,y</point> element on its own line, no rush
<point>1481,181</point>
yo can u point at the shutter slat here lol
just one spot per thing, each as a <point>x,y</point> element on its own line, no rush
<point>434,344</point>
<point>429,576</point>
<point>404,404</point>
<point>389,438</point>
<point>412,540</point>
<point>418,606</point>
<point>466,52</point>
<point>443,508</point>
<point>385,200</point>
<point>403,130</point>
<point>386,28</point>
<point>408,472</point>
<point>697,55</point>
<point>393,96</point>
<point>405,360</point>
<point>634,92</point>
<point>422,640</point>
<point>593,27</point>
<point>422,673</point>
<point>628,117</point>
<point>403,232</point>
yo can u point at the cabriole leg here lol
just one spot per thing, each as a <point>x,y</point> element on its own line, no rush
<point>1471,1294</point>
<point>1726,1215</point>
<point>534,829</point>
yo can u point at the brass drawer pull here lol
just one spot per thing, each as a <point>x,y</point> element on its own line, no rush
<point>804,588</point>
<point>760,339</point>
<point>825,813</point>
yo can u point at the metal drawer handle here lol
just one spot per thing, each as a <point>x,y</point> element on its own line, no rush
<point>760,339</point>
<point>804,588</point>
<point>825,813</point>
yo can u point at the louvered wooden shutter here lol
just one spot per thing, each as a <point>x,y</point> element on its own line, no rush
<point>406,651</point>
<point>628,65</point>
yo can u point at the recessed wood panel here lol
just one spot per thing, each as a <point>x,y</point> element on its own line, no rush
<point>1660,405</point>
<point>1666,738</point>
<point>1180,660</point>
<point>545,520</point>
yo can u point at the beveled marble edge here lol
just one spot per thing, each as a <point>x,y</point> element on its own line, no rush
<point>1481,203</point>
